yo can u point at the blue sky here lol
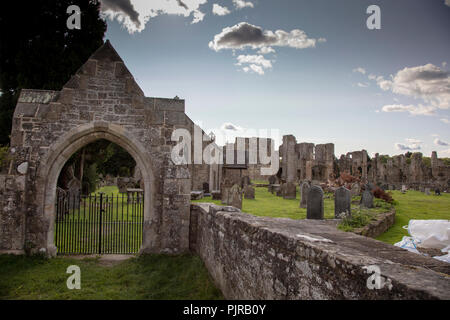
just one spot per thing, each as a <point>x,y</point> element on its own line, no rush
<point>385,91</point>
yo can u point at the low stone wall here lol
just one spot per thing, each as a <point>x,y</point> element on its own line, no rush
<point>253,257</point>
<point>376,228</point>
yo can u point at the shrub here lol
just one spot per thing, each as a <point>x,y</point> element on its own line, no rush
<point>383,195</point>
<point>358,219</point>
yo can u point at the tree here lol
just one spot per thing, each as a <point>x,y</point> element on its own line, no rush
<point>38,51</point>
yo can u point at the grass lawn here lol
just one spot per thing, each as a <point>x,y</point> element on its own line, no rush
<point>266,204</point>
<point>412,205</point>
<point>144,277</point>
<point>415,205</point>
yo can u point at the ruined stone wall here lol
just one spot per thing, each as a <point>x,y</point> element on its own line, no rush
<point>253,257</point>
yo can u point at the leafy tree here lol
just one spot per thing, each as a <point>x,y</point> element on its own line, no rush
<point>38,51</point>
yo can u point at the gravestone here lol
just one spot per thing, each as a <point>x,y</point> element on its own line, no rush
<point>369,186</point>
<point>216,195</point>
<point>437,192</point>
<point>275,188</point>
<point>422,189</point>
<point>403,188</point>
<point>249,192</point>
<point>367,199</point>
<point>314,208</point>
<point>355,190</point>
<point>427,191</point>
<point>280,190</point>
<point>235,196</point>
<point>206,187</point>
<point>225,191</point>
<point>304,194</point>
<point>195,195</point>
<point>273,180</point>
<point>245,181</point>
<point>342,202</point>
<point>290,190</point>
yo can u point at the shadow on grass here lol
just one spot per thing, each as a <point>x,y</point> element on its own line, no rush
<point>143,277</point>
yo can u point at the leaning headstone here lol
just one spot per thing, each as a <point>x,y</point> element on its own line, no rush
<point>290,191</point>
<point>235,196</point>
<point>427,191</point>
<point>367,199</point>
<point>437,192</point>
<point>342,202</point>
<point>314,208</point>
<point>249,192</point>
<point>304,190</point>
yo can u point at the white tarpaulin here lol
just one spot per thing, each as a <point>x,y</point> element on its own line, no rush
<point>428,234</point>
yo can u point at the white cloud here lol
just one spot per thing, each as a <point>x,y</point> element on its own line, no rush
<point>445,120</point>
<point>240,4</point>
<point>409,140</point>
<point>266,50</point>
<point>428,82</point>
<point>219,10</point>
<point>445,152</point>
<point>360,70</point>
<point>401,146</point>
<point>413,110</point>
<point>439,142</point>
<point>230,126</point>
<point>444,64</point>
<point>362,85</point>
<point>134,14</point>
<point>254,59</point>
<point>413,144</point>
<point>244,35</point>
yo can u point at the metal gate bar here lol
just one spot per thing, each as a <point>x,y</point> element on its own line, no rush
<point>99,223</point>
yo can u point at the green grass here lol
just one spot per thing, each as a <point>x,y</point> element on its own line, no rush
<point>266,204</point>
<point>415,205</point>
<point>144,277</point>
<point>411,205</point>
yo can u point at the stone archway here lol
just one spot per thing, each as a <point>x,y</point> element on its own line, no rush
<point>100,101</point>
<point>66,146</point>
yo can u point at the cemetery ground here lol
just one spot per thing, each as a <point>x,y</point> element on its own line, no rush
<point>411,205</point>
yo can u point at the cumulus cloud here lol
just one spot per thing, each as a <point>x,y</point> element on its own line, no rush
<point>240,4</point>
<point>428,82</point>
<point>360,70</point>
<point>244,35</point>
<point>254,59</point>
<point>403,147</point>
<point>219,10</point>
<point>445,120</point>
<point>439,142</point>
<point>134,14</point>
<point>362,85</point>
<point>266,50</point>
<point>413,110</point>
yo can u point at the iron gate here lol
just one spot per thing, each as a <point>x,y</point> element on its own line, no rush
<point>99,223</point>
